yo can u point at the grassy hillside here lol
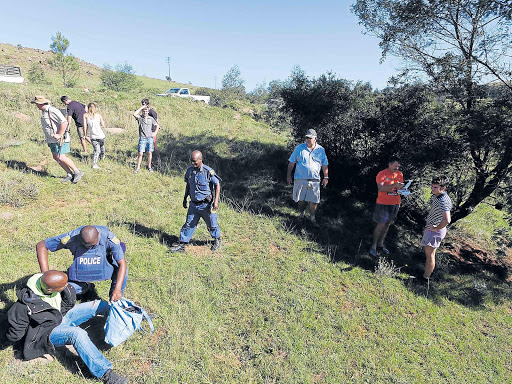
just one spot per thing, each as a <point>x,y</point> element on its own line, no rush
<point>280,302</point>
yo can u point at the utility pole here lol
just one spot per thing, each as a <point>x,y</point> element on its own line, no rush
<point>169,64</point>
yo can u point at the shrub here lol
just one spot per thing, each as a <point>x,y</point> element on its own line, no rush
<point>36,74</point>
<point>122,78</point>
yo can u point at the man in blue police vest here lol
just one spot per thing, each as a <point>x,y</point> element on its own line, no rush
<point>92,247</point>
<point>203,204</point>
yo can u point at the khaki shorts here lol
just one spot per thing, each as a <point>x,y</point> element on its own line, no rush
<point>306,190</point>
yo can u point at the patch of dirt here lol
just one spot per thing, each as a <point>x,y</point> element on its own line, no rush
<point>469,254</point>
<point>6,215</point>
<point>199,250</point>
<point>115,130</point>
<point>22,116</point>
<point>249,111</point>
<point>39,167</point>
<point>237,116</point>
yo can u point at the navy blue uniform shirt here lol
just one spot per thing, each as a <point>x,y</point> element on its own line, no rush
<point>199,181</point>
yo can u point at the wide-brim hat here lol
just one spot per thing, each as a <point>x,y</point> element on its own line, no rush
<point>311,133</point>
<point>40,100</point>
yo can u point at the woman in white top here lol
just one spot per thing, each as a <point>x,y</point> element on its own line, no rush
<point>95,135</point>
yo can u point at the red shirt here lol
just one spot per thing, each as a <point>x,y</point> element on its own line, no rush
<point>386,177</point>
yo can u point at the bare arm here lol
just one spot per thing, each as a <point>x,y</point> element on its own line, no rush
<point>86,129</point>
<point>388,188</point>
<point>156,130</point>
<point>325,169</point>
<point>136,114</point>
<point>289,172</point>
<point>117,294</point>
<point>102,122</point>
<point>42,256</point>
<point>447,218</point>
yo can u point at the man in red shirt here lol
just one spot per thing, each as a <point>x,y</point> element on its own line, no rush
<point>389,181</point>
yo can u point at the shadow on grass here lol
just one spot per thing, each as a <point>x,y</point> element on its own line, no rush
<point>163,237</point>
<point>66,356</point>
<point>253,179</point>
<point>23,167</point>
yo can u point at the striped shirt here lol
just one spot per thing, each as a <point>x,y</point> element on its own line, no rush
<point>438,205</point>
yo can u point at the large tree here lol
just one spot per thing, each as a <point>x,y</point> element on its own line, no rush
<point>457,46</point>
<point>63,61</point>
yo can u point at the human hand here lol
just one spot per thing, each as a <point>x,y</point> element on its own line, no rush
<point>289,179</point>
<point>185,203</point>
<point>116,295</point>
<point>56,136</point>
<point>215,205</point>
<point>325,182</point>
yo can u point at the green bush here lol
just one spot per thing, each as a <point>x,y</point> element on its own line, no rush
<point>36,74</point>
<point>122,78</point>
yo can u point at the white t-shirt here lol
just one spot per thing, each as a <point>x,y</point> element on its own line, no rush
<point>94,127</point>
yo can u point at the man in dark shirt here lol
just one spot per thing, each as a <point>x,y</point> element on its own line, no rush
<point>76,110</point>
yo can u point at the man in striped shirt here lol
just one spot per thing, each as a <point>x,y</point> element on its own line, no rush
<point>437,220</point>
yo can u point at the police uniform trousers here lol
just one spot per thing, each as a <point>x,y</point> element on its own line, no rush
<point>194,213</point>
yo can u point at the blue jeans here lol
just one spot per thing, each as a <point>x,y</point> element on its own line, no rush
<point>69,333</point>
<point>194,213</point>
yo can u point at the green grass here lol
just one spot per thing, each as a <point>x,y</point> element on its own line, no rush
<point>271,306</point>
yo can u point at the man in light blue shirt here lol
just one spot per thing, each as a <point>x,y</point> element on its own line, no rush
<point>308,159</point>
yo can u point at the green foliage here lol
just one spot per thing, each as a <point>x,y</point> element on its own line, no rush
<point>270,306</point>
<point>122,78</point>
<point>233,83</point>
<point>64,62</point>
<point>36,74</point>
<point>458,47</point>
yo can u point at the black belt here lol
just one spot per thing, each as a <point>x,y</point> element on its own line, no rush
<point>200,202</point>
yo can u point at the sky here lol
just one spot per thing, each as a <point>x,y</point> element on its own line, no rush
<point>204,39</point>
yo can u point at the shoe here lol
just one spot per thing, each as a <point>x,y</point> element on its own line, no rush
<point>215,245</point>
<point>373,252</point>
<point>77,176</point>
<point>150,169</point>
<point>178,248</point>
<point>110,377</point>
<point>68,178</point>
<point>384,250</point>
<point>95,166</point>
<point>136,170</point>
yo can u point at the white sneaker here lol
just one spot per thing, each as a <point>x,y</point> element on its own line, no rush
<point>95,166</point>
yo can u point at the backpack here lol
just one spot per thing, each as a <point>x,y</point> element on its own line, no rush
<point>123,319</point>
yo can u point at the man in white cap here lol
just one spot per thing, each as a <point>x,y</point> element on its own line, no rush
<point>57,137</point>
<point>308,159</point>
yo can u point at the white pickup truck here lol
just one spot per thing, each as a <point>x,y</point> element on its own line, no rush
<point>184,92</point>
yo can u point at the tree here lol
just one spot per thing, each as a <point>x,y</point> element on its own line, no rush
<point>458,46</point>
<point>122,78</point>
<point>64,62</point>
<point>233,84</point>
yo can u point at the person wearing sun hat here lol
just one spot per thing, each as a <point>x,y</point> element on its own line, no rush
<point>55,126</point>
<point>308,159</point>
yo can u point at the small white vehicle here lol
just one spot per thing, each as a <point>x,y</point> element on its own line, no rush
<point>184,92</point>
<point>10,74</point>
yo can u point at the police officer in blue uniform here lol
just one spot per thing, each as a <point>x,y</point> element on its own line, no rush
<point>203,203</point>
<point>98,255</point>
